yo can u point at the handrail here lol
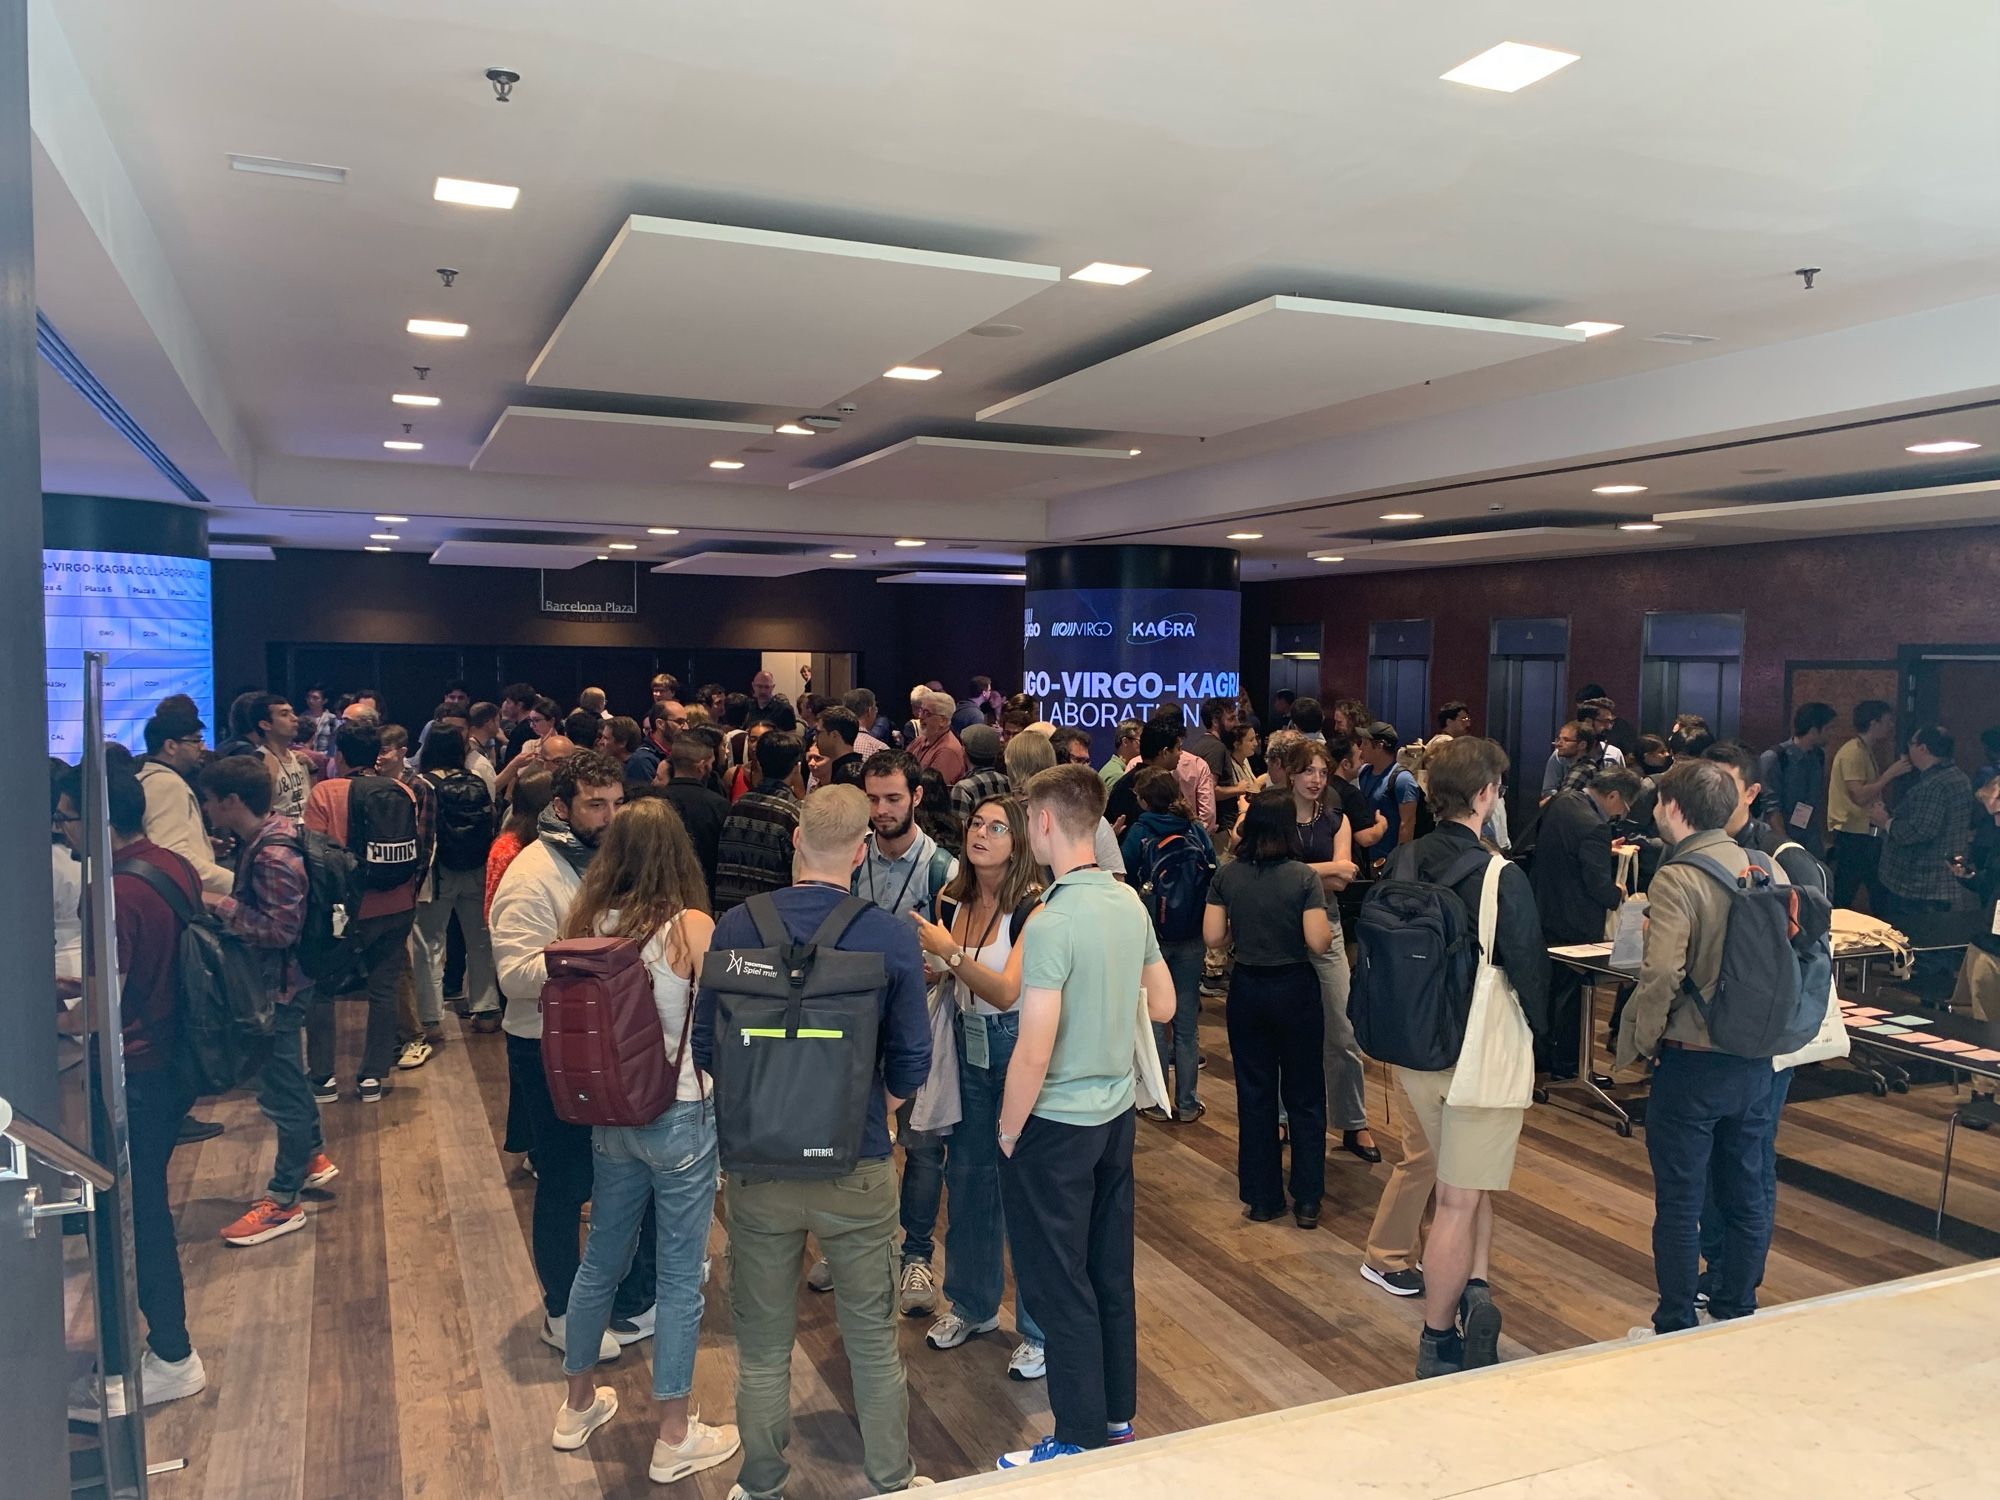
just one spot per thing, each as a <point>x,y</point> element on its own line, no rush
<point>47,1146</point>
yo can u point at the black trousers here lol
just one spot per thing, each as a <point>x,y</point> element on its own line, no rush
<point>1067,1192</point>
<point>155,1104</point>
<point>1277,1035</point>
<point>563,1169</point>
<point>1855,856</point>
<point>1558,1053</point>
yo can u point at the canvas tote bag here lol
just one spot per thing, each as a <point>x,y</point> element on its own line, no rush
<point>1496,1066</point>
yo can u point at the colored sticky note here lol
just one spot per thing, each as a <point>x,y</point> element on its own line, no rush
<point>1946,1044</point>
<point>1909,1020</point>
<point>1866,1010</point>
<point>1886,1030</point>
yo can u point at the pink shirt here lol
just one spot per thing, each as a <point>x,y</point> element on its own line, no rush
<point>946,756</point>
<point>1198,786</point>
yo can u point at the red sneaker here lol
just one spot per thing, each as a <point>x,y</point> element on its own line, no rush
<point>320,1171</point>
<point>265,1221</point>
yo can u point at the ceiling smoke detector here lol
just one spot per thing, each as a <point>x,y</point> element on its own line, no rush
<point>820,424</point>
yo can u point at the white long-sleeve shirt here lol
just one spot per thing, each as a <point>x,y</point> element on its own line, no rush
<point>529,906</point>
<point>173,821</point>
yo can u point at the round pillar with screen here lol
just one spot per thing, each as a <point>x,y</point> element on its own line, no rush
<point>128,578</point>
<point>1121,632</point>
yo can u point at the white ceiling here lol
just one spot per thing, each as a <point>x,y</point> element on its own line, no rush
<point>617,445</point>
<point>1671,180</point>
<point>960,468</point>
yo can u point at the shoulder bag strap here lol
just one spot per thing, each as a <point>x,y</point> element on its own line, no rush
<point>169,890</point>
<point>770,921</point>
<point>1489,907</point>
<point>838,921</point>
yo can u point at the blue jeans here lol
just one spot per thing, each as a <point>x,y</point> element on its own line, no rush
<point>1178,1039</point>
<point>923,1186</point>
<point>672,1164</point>
<point>1711,1215</point>
<point>977,1231</point>
<point>1710,1111</point>
<point>287,1101</point>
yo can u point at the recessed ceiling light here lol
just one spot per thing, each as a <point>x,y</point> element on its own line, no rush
<point>383,536</point>
<point>793,429</point>
<point>273,166</point>
<point>725,463</point>
<point>908,541</point>
<point>1131,452</point>
<point>624,546</point>
<point>475,194</point>
<point>392,520</point>
<point>1105,273</point>
<point>1245,536</point>
<point>403,445</point>
<point>1592,330</point>
<point>374,549</point>
<point>1640,526</point>
<point>663,531</point>
<point>911,372</point>
<point>604,557</point>
<point>1949,445</point>
<point>402,399</point>
<point>842,556</point>
<point>1327,557</point>
<point>437,328</point>
<point>1508,67</point>
<point>1403,515</point>
<point>1619,489</point>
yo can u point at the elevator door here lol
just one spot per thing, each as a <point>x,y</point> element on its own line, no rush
<point>1527,697</point>
<point>1692,664</point>
<point>1399,675</point>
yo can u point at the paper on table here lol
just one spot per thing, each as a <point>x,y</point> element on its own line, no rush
<point>1946,1044</point>
<point>1910,1020</point>
<point>1981,1054</point>
<point>1886,1030</point>
<point>1865,1010</point>
<point>1582,950</point>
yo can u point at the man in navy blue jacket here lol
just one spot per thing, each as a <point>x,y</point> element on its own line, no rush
<point>854,1218</point>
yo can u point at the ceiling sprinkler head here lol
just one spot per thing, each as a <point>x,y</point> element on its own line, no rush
<point>1806,274</point>
<point>407,426</point>
<point>503,81</point>
<point>423,371</point>
<point>447,275</point>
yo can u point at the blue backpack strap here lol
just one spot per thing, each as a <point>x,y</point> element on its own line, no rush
<point>938,873</point>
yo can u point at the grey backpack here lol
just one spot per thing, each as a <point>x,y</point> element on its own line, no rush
<point>796,1028</point>
<point>1771,994</point>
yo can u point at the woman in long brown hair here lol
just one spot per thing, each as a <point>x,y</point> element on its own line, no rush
<point>977,945</point>
<point>645,884</point>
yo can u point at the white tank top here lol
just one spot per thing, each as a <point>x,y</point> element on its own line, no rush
<point>993,956</point>
<point>672,997</point>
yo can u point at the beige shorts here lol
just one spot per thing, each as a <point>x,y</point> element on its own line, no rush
<point>1474,1147</point>
<point>1978,985</point>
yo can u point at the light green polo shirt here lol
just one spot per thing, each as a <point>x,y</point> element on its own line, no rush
<point>1092,940</point>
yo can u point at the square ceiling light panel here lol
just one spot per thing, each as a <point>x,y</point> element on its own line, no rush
<point>745,564</point>
<point>935,468</point>
<point>1272,359</point>
<point>611,445</point>
<point>714,312</point>
<point>553,557</point>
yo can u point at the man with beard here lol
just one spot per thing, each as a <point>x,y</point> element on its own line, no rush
<point>529,908</point>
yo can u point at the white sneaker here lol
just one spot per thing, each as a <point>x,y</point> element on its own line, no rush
<point>573,1428</point>
<point>949,1331</point>
<point>820,1277</point>
<point>1029,1362</point>
<point>703,1448</point>
<point>555,1329</point>
<point>631,1330</point>
<point>414,1054</point>
<point>163,1382</point>
<point>917,1295</point>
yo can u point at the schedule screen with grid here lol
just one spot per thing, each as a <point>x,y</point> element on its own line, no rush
<point>148,614</point>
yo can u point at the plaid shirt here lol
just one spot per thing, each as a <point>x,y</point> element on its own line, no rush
<point>990,781</point>
<point>1931,824</point>
<point>267,908</point>
<point>755,851</point>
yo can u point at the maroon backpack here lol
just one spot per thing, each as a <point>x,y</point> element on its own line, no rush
<point>602,1047</point>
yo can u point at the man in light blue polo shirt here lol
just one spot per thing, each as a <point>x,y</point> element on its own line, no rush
<point>1066,1120</point>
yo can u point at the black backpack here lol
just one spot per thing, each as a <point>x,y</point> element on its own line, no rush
<point>1174,876</point>
<point>328,953</point>
<point>225,1013</point>
<point>1765,1003</point>
<point>464,820</point>
<point>382,832</point>
<point>796,1029</point>
<point>1417,955</point>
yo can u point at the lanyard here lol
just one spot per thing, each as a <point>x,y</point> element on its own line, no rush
<point>915,865</point>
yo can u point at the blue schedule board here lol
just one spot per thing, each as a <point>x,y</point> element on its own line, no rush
<point>1094,657</point>
<point>148,614</point>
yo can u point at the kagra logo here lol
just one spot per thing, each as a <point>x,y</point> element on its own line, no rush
<point>1179,627</point>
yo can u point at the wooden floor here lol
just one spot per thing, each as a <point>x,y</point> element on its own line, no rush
<point>391,1349</point>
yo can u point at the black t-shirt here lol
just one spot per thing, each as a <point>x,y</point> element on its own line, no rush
<point>1316,837</point>
<point>1267,904</point>
<point>702,812</point>
<point>1123,801</point>
<point>517,737</point>
<point>1355,807</point>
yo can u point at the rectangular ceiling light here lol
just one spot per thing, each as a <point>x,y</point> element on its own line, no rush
<point>437,328</point>
<point>475,194</point>
<point>272,166</point>
<point>1592,330</point>
<point>1509,66</point>
<point>402,399</point>
<point>1107,274</point>
<point>911,372</point>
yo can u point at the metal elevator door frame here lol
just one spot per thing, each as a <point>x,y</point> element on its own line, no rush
<point>1527,701</point>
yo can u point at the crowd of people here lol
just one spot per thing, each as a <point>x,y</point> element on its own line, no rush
<point>1048,925</point>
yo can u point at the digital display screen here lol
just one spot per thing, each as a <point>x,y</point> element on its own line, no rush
<point>1094,657</point>
<point>149,615</point>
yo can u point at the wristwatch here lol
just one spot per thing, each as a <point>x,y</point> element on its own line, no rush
<point>957,958</point>
<point>1007,1140</point>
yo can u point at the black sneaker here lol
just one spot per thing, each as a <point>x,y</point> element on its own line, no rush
<point>1408,1283</point>
<point>325,1090</point>
<point>1439,1355</point>
<point>369,1091</point>
<point>1479,1321</point>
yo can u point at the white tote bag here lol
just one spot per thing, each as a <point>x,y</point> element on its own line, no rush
<point>1496,1066</point>
<point>1149,1082</point>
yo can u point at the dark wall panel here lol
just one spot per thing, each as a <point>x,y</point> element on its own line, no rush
<point>1820,599</point>
<point>903,633</point>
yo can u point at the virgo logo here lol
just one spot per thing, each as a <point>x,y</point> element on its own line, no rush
<point>1176,627</point>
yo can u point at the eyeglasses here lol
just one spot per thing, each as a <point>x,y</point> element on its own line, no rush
<point>63,817</point>
<point>188,739</point>
<point>997,827</point>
